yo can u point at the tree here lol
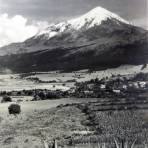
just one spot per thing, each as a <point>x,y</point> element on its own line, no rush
<point>14,109</point>
<point>6,99</point>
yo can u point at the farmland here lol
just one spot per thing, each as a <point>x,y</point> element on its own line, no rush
<point>79,109</point>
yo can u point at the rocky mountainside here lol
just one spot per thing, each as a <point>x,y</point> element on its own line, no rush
<point>98,39</point>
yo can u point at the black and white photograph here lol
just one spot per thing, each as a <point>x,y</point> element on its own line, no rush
<point>73,73</point>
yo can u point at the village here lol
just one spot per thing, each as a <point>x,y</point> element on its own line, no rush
<point>116,86</point>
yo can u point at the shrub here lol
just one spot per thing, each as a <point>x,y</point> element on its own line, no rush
<point>14,109</point>
<point>42,95</point>
<point>52,95</point>
<point>6,99</point>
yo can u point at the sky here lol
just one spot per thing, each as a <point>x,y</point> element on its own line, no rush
<point>21,19</point>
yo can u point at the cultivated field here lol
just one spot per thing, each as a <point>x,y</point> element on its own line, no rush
<point>79,124</point>
<point>121,113</point>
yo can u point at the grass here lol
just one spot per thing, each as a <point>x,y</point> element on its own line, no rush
<point>30,130</point>
<point>74,125</point>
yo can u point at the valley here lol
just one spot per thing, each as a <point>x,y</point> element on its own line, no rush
<point>89,118</point>
<point>78,83</point>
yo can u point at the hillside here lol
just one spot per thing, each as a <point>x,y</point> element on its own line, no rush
<point>98,39</point>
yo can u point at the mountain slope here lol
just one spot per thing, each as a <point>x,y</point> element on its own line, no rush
<point>38,42</point>
<point>98,39</point>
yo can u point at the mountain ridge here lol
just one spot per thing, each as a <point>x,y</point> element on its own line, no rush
<point>110,43</point>
<point>94,17</point>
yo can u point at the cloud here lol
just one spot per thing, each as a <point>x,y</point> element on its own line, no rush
<point>16,29</point>
<point>59,10</point>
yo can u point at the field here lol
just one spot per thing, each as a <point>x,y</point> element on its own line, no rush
<point>39,121</point>
<point>84,122</point>
<point>31,106</point>
<point>78,124</point>
<point>55,80</point>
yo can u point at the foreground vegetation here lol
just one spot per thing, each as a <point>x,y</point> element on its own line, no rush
<point>75,124</point>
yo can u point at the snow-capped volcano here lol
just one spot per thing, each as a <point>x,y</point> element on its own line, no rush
<point>70,31</point>
<point>94,17</point>
<point>98,39</point>
<point>88,20</point>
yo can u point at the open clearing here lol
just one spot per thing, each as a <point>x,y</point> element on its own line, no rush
<point>30,106</point>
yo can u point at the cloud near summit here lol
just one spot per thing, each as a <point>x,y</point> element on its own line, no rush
<point>16,29</point>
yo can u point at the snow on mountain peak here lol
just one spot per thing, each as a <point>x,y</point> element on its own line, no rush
<point>90,19</point>
<point>94,17</point>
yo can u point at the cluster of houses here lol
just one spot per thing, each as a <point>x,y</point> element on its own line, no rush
<point>116,86</point>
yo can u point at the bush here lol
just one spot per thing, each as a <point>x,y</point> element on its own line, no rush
<point>14,109</point>
<point>42,95</point>
<point>6,99</point>
<point>52,95</point>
